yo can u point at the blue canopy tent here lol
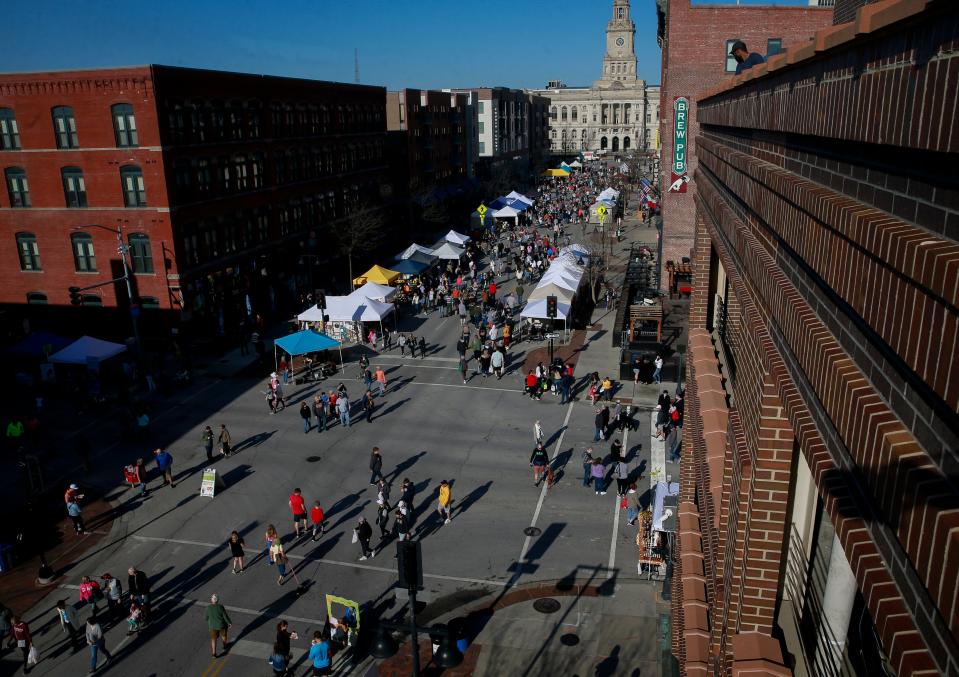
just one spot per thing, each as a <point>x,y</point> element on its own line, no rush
<point>410,267</point>
<point>39,344</point>
<point>305,341</point>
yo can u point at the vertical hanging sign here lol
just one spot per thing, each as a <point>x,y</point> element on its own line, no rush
<point>679,179</point>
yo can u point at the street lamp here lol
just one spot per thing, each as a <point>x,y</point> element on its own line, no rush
<point>122,250</point>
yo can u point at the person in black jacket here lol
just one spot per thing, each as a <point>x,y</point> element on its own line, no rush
<point>139,586</point>
<point>376,466</point>
<point>539,459</point>
<point>364,532</point>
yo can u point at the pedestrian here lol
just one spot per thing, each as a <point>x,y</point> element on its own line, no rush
<point>604,415</point>
<point>139,476</point>
<point>67,618</point>
<point>383,519</point>
<point>318,518</point>
<point>283,638</point>
<point>621,473</point>
<point>278,393</point>
<point>281,562</point>
<point>606,390</point>
<point>401,342</point>
<point>532,386</point>
<point>382,492</point>
<point>139,586</point>
<point>376,466</point>
<point>462,368</point>
<point>136,618</point>
<point>422,347</point>
<point>72,494</point>
<point>598,473</point>
<point>278,661</point>
<point>113,592</point>
<point>674,442</point>
<point>616,451</point>
<point>444,504</point>
<point>362,534</point>
<point>321,404</point>
<point>95,641</point>
<point>298,507</point>
<point>76,516</point>
<point>497,361</point>
<point>271,536</point>
<point>343,409</point>
<point>600,427</point>
<point>90,593</point>
<point>616,415</point>
<point>306,415</point>
<point>271,400</point>
<point>538,461</point>
<point>21,635</point>
<point>218,622</point>
<point>411,341</point>
<point>332,397</point>
<point>368,405</point>
<point>225,441</point>
<point>401,524</point>
<point>164,461</point>
<point>321,654</point>
<point>381,380</point>
<point>236,551</point>
<point>207,438</point>
<point>407,492</point>
<point>538,436</point>
<point>587,465</point>
<point>657,372</point>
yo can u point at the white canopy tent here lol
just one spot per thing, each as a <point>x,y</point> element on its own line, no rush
<point>552,289</point>
<point>560,279</point>
<point>412,249</point>
<point>457,238</point>
<point>520,197</point>
<point>608,194</point>
<point>86,349</point>
<point>353,308</point>
<point>576,163</point>
<point>576,252</point>
<point>506,213</point>
<point>537,309</point>
<point>449,252</point>
<point>377,292</point>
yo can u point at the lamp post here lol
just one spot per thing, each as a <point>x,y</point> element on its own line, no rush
<point>122,251</point>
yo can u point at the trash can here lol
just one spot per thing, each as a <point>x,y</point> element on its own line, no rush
<point>6,557</point>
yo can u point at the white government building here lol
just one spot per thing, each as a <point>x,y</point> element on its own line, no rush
<point>618,113</point>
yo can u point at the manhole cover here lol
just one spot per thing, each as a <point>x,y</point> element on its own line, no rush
<point>312,459</point>
<point>532,531</point>
<point>546,605</point>
<point>569,639</point>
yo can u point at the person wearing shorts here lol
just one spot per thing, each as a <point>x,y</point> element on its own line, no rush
<point>298,507</point>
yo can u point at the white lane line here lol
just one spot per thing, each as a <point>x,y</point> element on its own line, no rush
<point>418,366</point>
<point>356,565</point>
<point>456,385</point>
<point>616,511</point>
<point>542,493</point>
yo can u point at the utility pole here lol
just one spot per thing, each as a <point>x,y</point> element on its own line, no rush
<point>356,65</point>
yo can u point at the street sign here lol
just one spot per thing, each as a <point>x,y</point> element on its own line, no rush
<point>208,483</point>
<point>481,210</point>
<point>552,336</point>
<point>678,176</point>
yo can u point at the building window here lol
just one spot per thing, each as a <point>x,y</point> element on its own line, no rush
<point>74,188</point>
<point>134,192</point>
<point>773,46</point>
<point>65,127</point>
<point>124,125</point>
<point>17,187</point>
<point>149,302</point>
<point>91,300</point>
<point>564,114</point>
<point>621,13</point>
<point>241,172</point>
<point>84,258</point>
<point>9,132</point>
<point>482,127</point>
<point>140,253</point>
<point>482,147</point>
<point>730,59</point>
<point>482,106</point>
<point>29,251</point>
<point>574,115</point>
<point>36,298</point>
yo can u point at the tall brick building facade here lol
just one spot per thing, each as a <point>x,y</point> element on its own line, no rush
<point>695,42</point>
<point>819,511</point>
<point>215,179</point>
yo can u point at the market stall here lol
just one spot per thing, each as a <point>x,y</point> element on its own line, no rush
<point>449,252</point>
<point>87,350</point>
<point>457,238</point>
<point>377,274</point>
<point>304,344</point>
<point>657,525</point>
<point>414,249</point>
<point>377,292</point>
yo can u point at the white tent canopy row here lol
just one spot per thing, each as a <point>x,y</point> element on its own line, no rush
<point>608,194</point>
<point>86,349</point>
<point>377,292</point>
<point>457,238</point>
<point>506,213</point>
<point>449,252</point>
<point>537,309</point>
<point>412,249</point>
<point>520,197</point>
<point>352,308</point>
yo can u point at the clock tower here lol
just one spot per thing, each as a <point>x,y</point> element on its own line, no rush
<point>619,64</point>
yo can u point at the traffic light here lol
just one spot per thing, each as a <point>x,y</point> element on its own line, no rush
<point>320,296</point>
<point>75,299</point>
<point>551,307</point>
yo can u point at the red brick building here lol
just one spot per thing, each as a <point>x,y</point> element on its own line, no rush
<point>819,510</point>
<point>695,42</point>
<point>215,179</point>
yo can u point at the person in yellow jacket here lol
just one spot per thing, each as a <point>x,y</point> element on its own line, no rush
<point>445,505</point>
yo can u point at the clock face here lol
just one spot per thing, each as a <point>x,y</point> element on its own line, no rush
<point>620,42</point>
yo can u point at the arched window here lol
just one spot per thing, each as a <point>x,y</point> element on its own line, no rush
<point>615,143</point>
<point>573,114</point>
<point>625,143</point>
<point>9,132</point>
<point>564,114</point>
<point>124,125</point>
<point>65,127</point>
<point>603,143</point>
<point>134,191</point>
<point>36,298</point>
<point>552,112</point>
<point>84,258</point>
<point>17,187</point>
<point>141,255</point>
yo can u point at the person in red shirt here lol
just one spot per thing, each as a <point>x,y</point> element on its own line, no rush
<point>532,384</point>
<point>318,518</point>
<point>492,290</point>
<point>21,634</point>
<point>298,506</point>
<point>72,494</point>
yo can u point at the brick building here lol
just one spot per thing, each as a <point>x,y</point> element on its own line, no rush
<point>818,507</point>
<point>215,179</point>
<point>695,42</point>
<point>432,129</point>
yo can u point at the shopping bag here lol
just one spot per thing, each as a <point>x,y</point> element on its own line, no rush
<point>356,537</point>
<point>33,656</point>
<point>622,503</point>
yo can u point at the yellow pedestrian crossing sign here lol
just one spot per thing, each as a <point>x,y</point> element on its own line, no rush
<point>481,210</point>
<point>601,211</point>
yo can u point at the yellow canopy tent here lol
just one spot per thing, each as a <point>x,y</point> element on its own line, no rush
<point>555,172</point>
<point>378,275</point>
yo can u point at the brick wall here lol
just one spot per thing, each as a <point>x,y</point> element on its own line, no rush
<point>825,194</point>
<point>694,59</point>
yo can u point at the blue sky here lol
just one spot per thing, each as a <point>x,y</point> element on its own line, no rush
<point>402,43</point>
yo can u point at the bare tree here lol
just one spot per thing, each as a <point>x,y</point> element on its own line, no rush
<point>359,234</point>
